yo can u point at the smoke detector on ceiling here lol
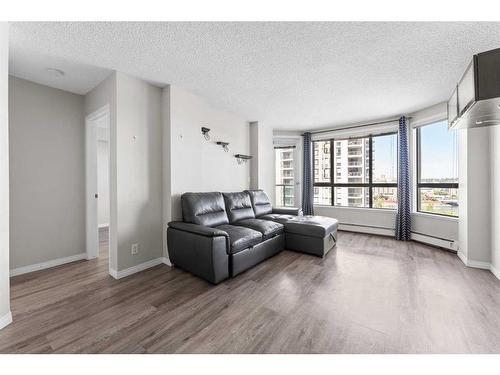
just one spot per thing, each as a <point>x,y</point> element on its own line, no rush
<point>55,72</point>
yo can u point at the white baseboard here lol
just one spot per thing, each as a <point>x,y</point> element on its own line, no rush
<point>477,264</point>
<point>5,320</point>
<point>473,263</point>
<point>134,269</point>
<point>495,271</point>
<point>167,261</point>
<point>47,264</point>
<point>462,257</point>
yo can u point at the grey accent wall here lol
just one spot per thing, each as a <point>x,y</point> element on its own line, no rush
<point>47,179</point>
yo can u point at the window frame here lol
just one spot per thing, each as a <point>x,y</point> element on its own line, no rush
<point>370,185</point>
<point>427,185</point>
<point>284,186</point>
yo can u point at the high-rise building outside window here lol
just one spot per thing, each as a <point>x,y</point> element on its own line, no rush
<point>365,172</point>
<point>285,184</point>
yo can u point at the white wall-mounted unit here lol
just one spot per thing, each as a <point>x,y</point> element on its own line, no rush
<point>475,101</point>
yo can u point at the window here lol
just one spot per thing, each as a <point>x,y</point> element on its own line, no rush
<point>365,172</point>
<point>437,169</point>
<point>285,187</point>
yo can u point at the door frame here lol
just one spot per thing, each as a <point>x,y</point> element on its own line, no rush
<point>91,187</point>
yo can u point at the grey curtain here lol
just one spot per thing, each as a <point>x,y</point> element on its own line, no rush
<point>307,185</point>
<point>403,217</point>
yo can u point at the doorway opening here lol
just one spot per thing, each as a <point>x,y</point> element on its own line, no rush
<point>97,189</point>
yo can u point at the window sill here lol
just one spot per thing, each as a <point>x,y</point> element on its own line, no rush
<point>435,217</point>
<point>356,208</point>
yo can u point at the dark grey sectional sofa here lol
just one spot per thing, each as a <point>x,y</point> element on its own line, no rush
<point>224,234</point>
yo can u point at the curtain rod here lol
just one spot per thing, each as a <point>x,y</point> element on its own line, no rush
<point>357,126</point>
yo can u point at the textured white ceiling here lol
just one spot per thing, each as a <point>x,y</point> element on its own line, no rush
<point>290,75</point>
<point>32,65</point>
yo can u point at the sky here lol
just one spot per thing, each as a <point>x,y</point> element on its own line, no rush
<point>439,151</point>
<point>439,148</point>
<point>385,156</point>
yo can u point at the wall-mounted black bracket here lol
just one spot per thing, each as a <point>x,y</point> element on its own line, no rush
<point>224,145</point>
<point>205,132</point>
<point>241,159</point>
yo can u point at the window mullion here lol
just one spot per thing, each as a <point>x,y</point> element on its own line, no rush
<point>332,175</point>
<point>370,172</point>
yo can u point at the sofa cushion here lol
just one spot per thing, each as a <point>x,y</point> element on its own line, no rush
<point>279,218</point>
<point>312,226</point>
<point>240,238</point>
<point>238,206</point>
<point>268,228</point>
<point>260,202</point>
<point>204,209</point>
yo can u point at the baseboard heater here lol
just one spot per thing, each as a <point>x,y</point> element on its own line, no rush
<point>366,226</point>
<point>428,239</point>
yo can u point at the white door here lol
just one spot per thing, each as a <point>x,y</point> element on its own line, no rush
<point>92,122</point>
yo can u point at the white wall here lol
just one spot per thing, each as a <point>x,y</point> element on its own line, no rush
<point>254,151</point>
<point>103,181</point>
<point>196,164</point>
<point>167,167</point>
<point>139,170</point>
<point>5,315</point>
<point>102,95</point>
<point>135,185</point>
<point>47,177</point>
<point>475,188</point>
<point>495,199</point>
<point>367,220</point>
<point>263,167</point>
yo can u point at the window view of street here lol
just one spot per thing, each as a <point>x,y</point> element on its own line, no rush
<point>386,197</point>
<point>441,201</point>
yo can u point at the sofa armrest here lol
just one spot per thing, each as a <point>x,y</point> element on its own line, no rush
<point>197,229</point>
<point>288,211</point>
<point>203,251</point>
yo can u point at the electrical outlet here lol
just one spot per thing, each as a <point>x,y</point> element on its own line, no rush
<point>135,248</point>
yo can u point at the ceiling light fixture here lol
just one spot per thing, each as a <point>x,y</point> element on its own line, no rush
<point>55,72</point>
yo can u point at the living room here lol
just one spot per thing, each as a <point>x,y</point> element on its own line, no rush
<point>259,195</point>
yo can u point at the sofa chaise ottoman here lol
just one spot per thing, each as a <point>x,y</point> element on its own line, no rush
<point>314,235</point>
<point>224,234</point>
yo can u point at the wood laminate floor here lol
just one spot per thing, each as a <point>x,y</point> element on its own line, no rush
<point>370,295</point>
